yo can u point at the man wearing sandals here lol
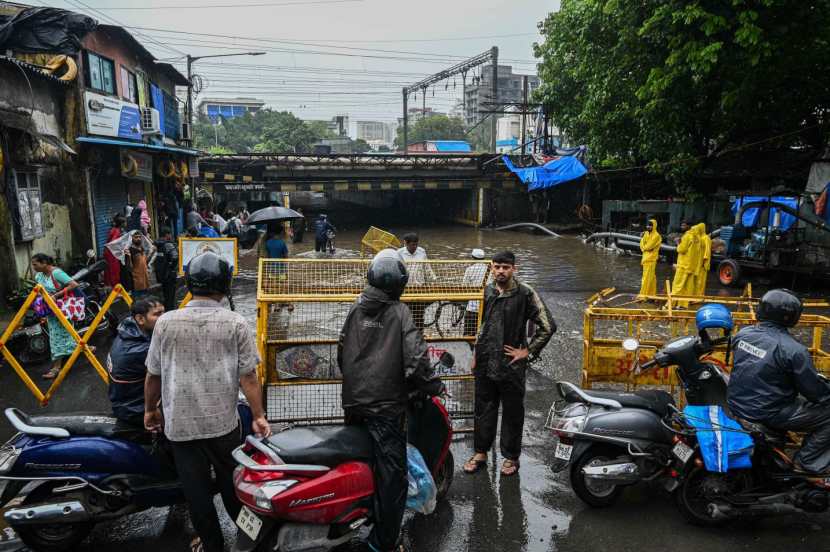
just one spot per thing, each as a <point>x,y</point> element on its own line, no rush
<point>500,361</point>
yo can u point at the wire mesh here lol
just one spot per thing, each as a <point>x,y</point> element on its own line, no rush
<point>320,402</point>
<point>304,303</point>
<point>322,279</point>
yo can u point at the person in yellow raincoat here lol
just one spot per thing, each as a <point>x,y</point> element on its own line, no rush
<point>688,263</point>
<point>650,247</point>
<point>706,258</point>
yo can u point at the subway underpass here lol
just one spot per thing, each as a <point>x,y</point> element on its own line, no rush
<point>536,511</point>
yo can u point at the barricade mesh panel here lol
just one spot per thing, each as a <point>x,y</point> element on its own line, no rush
<point>303,304</point>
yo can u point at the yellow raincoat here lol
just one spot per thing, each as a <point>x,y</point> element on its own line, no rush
<point>650,247</point>
<point>688,264</point>
<point>706,258</point>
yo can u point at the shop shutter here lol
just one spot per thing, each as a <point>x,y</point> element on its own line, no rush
<point>108,198</point>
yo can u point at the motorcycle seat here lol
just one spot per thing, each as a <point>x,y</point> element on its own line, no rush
<point>88,425</point>
<point>322,446</point>
<point>655,400</point>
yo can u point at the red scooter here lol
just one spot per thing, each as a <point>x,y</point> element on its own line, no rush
<point>311,488</point>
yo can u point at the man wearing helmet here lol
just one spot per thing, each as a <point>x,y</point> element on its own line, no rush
<point>200,357</point>
<point>775,383</point>
<point>383,357</point>
<point>322,226</point>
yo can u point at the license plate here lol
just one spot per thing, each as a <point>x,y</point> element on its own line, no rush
<point>683,452</point>
<point>563,451</point>
<point>249,522</point>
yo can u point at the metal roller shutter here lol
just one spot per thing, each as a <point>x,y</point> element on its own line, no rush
<point>108,198</point>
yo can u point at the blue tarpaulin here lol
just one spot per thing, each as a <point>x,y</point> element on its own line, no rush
<point>451,145</point>
<point>552,173</point>
<point>723,443</point>
<point>751,216</point>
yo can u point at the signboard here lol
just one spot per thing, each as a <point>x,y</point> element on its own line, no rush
<point>136,165</point>
<point>224,247</point>
<point>108,116</point>
<point>242,187</point>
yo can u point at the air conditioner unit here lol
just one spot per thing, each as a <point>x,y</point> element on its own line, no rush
<point>185,133</point>
<point>150,121</point>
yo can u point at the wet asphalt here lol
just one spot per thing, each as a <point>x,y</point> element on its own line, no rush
<point>535,511</point>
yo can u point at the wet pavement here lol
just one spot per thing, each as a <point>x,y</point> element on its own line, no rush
<point>535,511</point>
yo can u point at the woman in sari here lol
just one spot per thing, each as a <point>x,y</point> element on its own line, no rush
<point>55,281</point>
<point>112,274</point>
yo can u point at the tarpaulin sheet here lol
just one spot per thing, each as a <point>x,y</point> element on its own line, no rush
<point>48,30</point>
<point>751,216</point>
<point>723,443</point>
<point>552,173</point>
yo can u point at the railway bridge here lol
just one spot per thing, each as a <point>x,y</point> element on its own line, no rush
<point>457,187</point>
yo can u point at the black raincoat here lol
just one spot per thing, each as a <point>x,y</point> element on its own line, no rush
<point>382,356</point>
<point>125,364</point>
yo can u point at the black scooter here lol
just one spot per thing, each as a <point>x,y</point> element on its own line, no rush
<point>614,439</point>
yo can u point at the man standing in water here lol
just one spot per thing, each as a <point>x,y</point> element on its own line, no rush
<point>500,362</point>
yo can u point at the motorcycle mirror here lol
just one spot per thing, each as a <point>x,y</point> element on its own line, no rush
<point>90,254</point>
<point>630,344</point>
<point>447,359</point>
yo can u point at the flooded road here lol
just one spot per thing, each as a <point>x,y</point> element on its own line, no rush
<point>533,512</point>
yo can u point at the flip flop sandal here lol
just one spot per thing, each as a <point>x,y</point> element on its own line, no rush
<point>509,468</point>
<point>51,374</point>
<point>479,464</point>
<point>196,545</point>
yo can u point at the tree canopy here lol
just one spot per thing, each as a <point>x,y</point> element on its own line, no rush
<point>672,84</point>
<point>265,130</point>
<point>435,127</point>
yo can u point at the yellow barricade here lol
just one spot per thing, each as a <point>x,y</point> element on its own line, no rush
<point>376,240</point>
<point>82,341</point>
<point>302,305</point>
<point>610,318</point>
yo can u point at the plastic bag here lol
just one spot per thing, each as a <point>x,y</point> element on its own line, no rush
<point>421,496</point>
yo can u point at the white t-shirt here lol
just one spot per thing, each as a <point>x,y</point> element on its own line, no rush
<point>474,276</point>
<point>417,271</point>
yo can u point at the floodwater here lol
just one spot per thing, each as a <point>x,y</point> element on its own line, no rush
<point>533,512</point>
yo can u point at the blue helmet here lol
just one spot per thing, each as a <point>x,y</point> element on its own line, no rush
<point>714,316</point>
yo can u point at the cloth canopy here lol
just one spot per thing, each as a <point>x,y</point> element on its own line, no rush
<point>553,173</point>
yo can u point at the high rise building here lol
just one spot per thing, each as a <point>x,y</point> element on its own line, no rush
<point>478,95</point>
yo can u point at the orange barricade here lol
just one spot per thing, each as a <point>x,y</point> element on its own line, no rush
<point>81,340</point>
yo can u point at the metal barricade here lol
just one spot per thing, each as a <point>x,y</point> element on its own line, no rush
<point>376,240</point>
<point>610,318</point>
<point>81,340</point>
<point>303,303</point>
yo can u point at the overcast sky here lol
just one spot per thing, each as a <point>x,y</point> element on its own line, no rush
<point>381,46</point>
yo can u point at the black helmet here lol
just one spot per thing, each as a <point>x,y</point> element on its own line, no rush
<point>208,273</point>
<point>387,272</point>
<point>780,306</point>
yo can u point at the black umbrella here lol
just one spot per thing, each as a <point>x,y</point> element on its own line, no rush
<point>273,214</point>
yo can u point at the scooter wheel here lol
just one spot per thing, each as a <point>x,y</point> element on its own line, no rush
<point>595,493</point>
<point>443,479</point>
<point>700,488</point>
<point>57,537</point>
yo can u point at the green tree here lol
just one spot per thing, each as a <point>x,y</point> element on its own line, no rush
<point>436,127</point>
<point>360,146</point>
<point>263,131</point>
<point>673,84</point>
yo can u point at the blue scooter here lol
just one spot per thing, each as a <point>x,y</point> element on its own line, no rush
<point>64,474</point>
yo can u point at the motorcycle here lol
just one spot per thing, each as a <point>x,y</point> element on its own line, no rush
<point>770,487</point>
<point>29,343</point>
<point>60,475</point>
<point>611,440</point>
<point>312,488</point>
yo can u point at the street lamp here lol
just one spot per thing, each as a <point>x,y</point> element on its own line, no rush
<point>190,61</point>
